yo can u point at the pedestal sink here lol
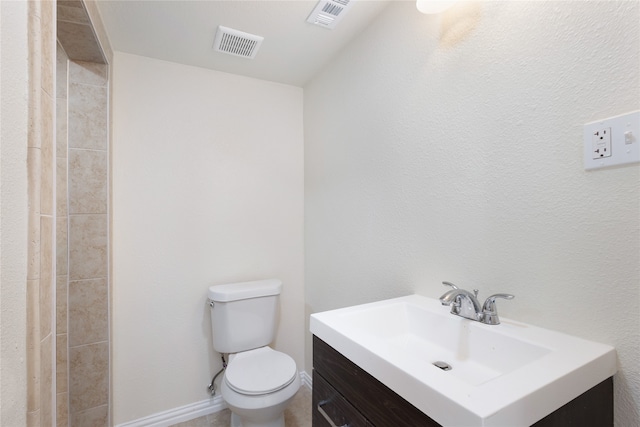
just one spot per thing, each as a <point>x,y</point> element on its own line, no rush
<point>460,372</point>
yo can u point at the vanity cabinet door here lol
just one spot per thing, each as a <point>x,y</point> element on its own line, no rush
<point>330,409</point>
<point>381,406</point>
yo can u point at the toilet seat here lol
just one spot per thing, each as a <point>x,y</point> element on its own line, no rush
<point>260,371</point>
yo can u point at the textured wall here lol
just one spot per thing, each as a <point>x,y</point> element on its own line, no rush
<point>14,74</point>
<point>207,189</point>
<point>450,148</point>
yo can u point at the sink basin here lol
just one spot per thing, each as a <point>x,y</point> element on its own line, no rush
<point>461,372</point>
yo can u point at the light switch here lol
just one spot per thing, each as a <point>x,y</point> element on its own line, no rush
<point>612,141</point>
<point>628,137</point>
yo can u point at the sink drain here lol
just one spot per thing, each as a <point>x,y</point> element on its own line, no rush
<point>442,365</point>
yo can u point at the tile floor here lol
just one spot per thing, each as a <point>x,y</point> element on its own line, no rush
<point>298,414</point>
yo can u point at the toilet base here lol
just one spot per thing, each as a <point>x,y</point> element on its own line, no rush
<point>263,410</point>
<point>237,422</point>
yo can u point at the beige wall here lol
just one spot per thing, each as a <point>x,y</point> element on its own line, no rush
<point>207,189</point>
<point>14,73</point>
<point>453,151</point>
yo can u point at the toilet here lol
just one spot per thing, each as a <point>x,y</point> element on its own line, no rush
<point>258,382</point>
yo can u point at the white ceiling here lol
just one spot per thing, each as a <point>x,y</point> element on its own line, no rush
<point>183,31</point>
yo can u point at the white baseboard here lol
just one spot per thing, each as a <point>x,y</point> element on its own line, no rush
<point>306,379</point>
<point>191,411</point>
<point>180,414</point>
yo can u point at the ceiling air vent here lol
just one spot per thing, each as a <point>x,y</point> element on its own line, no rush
<point>328,13</point>
<point>236,42</point>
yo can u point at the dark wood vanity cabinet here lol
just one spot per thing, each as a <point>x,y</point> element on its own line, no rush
<point>374,403</point>
<point>345,395</point>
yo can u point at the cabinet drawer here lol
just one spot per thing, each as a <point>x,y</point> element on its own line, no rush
<point>381,405</point>
<point>331,409</point>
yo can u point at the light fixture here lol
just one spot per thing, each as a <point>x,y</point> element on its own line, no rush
<point>434,6</point>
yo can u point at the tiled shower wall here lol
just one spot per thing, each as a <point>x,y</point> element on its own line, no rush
<point>83,309</point>
<point>68,217</point>
<point>88,295</point>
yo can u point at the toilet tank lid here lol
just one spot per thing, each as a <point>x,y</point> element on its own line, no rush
<point>245,290</point>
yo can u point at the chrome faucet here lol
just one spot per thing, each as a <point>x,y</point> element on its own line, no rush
<point>465,304</point>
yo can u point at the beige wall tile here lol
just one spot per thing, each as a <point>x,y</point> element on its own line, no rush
<point>62,405</point>
<point>89,378</point>
<point>33,266</point>
<point>33,168</point>
<point>88,316</point>
<point>72,12</point>
<point>87,181</point>
<point>46,275</point>
<point>48,28</point>
<point>35,46</point>
<point>47,155</point>
<point>89,73</point>
<point>61,72</point>
<point>87,117</point>
<point>94,417</point>
<point>33,345</point>
<point>46,381</point>
<point>81,187</point>
<point>99,30</point>
<point>61,304</point>
<point>61,127</point>
<point>61,187</point>
<point>71,3</point>
<point>62,372</point>
<point>33,419</point>
<point>35,8</point>
<point>79,42</point>
<point>87,246</point>
<point>62,255</point>
<point>46,303</point>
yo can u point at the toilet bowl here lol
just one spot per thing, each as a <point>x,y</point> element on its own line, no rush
<point>258,381</point>
<point>258,385</point>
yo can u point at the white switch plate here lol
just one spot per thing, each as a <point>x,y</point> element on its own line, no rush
<point>624,134</point>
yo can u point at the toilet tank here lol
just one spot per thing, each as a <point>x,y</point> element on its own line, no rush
<point>244,315</point>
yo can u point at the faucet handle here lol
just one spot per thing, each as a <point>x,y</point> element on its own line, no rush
<point>450,284</point>
<point>489,310</point>
<point>490,303</point>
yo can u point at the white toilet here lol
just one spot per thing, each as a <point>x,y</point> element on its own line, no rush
<point>258,382</point>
